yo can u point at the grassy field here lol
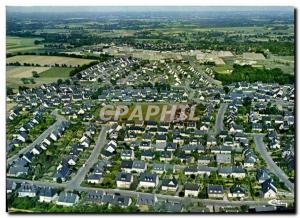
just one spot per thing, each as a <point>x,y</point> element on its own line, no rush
<point>20,71</point>
<point>56,72</point>
<point>223,69</point>
<point>48,60</point>
<point>21,44</point>
<point>14,75</point>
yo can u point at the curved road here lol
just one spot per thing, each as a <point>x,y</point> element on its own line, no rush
<point>261,148</point>
<point>220,118</point>
<point>93,158</point>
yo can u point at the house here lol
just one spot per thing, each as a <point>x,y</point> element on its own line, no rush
<point>171,146</point>
<point>22,136</point>
<point>95,195</point>
<point>191,189</point>
<point>161,139</point>
<point>165,156</point>
<point>17,170</point>
<point>55,135</point>
<point>269,189</point>
<point>235,172</point>
<point>47,194</point>
<point>37,150</point>
<point>204,160</point>
<point>145,145</point>
<point>126,165</point>
<point>221,149</point>
<point>67,199</point>
<point>28,157</point>
<point>274,144</point>
<point>27,190</point>
<point>10,186</point>
<point>235,128</point>
<point>169,184</point>
<point>262,175</point>
<point>47,140</point>
<point>127,154</point>
<point>236,191</point>
<point>173,207</point>
<point>95,178</point>
<point>62,172</point>
<point>191,170</point>
<point>144,199</point>
<point>124,180</point>
<point>148,180</point>
<point>70,160</point>
<point>86,142</point>
<point>204,170</point>
<point>121,200</point>
<point>147,155</point>
<point>215,191</point>
<point>139,166</point>
<point>223,158</point>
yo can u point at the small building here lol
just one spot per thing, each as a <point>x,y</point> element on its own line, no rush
<point>67,199</point>
<point>169,184</point>
<point>191,190</point>
<point>215,191</point>
<point>148,180</point>
<point>124,180</point>
<point>47,194</point>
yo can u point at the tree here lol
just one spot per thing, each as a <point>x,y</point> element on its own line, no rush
<point>181,194</point>
<point>226,89</point>
<point>35,74</point>
<point>59,81</point>
<point>9,91</point>
<point>59,180</point>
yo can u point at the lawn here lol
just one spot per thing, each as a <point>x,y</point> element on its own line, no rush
<point>223,69</point>
<point>21,44</point>
<point>48,60</point>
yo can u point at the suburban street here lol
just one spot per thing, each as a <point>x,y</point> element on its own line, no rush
<point>261,148</point>
<point>39,139</point>
<point>161,197</point>
<point>220,118</point>
<point>79,177</point>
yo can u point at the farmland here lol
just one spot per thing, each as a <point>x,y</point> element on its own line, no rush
<point>21,44</point>
<point>20,71</point>
<point>15,75</point>
<point>48,60</point>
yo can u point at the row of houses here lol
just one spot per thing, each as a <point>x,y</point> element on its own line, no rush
<point>63,170</point>
<point>20,167</point>
<point>23,132</point>
<point>46,194</point>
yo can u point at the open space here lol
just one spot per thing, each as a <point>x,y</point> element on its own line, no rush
<point>48,60</point>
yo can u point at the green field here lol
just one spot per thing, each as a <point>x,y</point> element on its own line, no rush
<point>56,72</point>
<point>21,44</point>
<point>43,60</point>
<point>15,75</point>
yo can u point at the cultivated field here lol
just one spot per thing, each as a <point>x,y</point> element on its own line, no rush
<point>21,44</point>
<point>15,75</point>
<point>48,60</point>
<point>20,72</point>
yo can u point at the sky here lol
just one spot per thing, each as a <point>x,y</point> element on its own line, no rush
<point>49,9</point>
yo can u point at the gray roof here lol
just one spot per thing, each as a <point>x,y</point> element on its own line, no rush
<point>144,199</point>
<point>67,197</point>
<point>125,177</point>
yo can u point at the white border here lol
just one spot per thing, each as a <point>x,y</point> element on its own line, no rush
<point>3,3</point>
